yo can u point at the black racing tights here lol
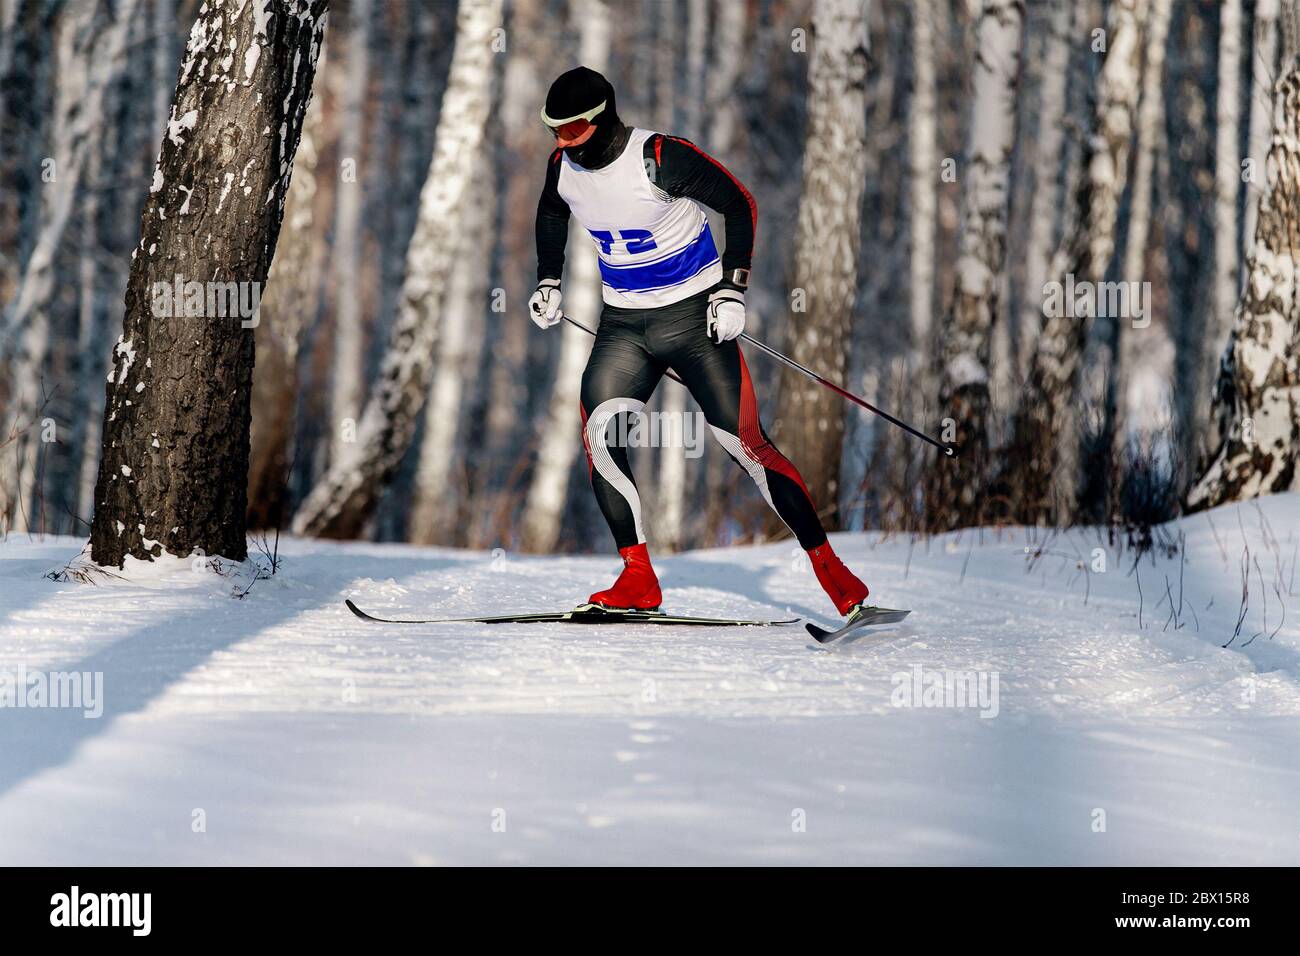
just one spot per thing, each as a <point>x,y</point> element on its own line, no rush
<point>633,349</point>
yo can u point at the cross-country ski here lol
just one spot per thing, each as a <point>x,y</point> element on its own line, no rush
<point>583,614</point>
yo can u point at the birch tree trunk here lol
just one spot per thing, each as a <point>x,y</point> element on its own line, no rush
<point>1290,29</point>
<point>923,162</point>
<point>508,424</point>
<point>561,432</point>
<point>90,51</point>
<point>344,499</point>
<point>83,441</point>
<point>1042,464</point>
<point>433,516</point>
<point>416,91</point>
<point>722,83</point>
<point>8,34</point>
<point>1264,49</point>
<point>347,389</point>
<point>109,235</point>
<point>1227,180</point>
<point>956,487</point>
<point>1257,402</point>
<point>174,470</point>
<point>670,491</point>
<point>810,421</point>
<point>164,62</point>
<point>1098,472</point>
<point>1151,116</point>
<point>547,492</point>
<point>1189,220</point>
<point>1049,149</point>
<point>292,298</point>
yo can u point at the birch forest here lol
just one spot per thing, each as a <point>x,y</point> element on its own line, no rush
<point>1058,235</point>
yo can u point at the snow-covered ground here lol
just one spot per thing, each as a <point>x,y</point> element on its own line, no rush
<point>280,729</point>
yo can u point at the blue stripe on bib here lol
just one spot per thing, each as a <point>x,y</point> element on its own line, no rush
<point>664,273</point>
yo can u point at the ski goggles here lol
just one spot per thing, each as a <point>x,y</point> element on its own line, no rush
<point>573,130</point>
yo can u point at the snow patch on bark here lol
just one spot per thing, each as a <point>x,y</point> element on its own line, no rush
<point>176,127</point>
<point>125,351</point>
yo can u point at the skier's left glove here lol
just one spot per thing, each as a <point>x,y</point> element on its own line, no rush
<point>726,314</point>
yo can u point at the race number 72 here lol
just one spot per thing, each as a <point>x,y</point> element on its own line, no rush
<point>635,240</point>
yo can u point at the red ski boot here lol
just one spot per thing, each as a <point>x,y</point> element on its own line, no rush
<point>637,587</point>
<point>840,584</point>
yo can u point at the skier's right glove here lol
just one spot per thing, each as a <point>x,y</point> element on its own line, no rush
<point>544,304</point>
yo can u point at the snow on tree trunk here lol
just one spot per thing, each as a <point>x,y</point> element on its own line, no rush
<point>90,51</point>
<point>346,496</point>
<point>174,470</point>
<point>1134,343</point>
<point>1263,71</point>
<point>433,517</point>
<point>347,388</point>
<point>956,486</point>
<point>1227,181</point>
<point>924,166</point>
<point>1257,401</point>
<point>292,298</point>
<point>1042,463</point>
<point>810,421</point>
<point>561,431</point>
<point>1049,147</point>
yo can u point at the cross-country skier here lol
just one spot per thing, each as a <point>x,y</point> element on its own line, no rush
<point>669,303</point>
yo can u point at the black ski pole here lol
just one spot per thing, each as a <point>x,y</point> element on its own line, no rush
<point>948,450</point>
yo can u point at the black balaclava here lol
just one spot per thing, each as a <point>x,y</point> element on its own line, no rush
<point>580,91</point>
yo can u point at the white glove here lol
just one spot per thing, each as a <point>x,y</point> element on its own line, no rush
<point>544,304</point>
<point>726,315</point>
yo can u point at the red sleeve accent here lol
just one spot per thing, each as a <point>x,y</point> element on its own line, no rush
<point>659,145</point>
<point>555,156</point>
<point>749,198</point>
